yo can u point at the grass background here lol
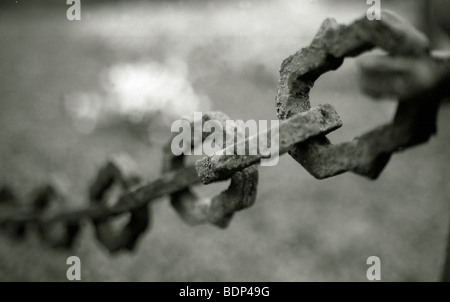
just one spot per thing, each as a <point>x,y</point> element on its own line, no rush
<point>300,229</point>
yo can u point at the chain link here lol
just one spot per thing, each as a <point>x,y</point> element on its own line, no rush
<point>409,72</point>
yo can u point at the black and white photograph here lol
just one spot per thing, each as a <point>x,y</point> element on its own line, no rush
<point>222,147</point>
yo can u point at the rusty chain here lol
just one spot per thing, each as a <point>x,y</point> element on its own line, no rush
<point>408,72</point>
<point>367,155</point>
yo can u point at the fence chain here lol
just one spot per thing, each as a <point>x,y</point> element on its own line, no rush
<point>409,72</point>
<point>220,209</point>
<point>320,120</point>
<point>367,155</point>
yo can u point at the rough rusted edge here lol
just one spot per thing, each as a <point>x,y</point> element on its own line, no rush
<point>300,127</point>
<point>241,194</point>
<point>331,45</point>
<point>368,154</point>
<point>218,210</point>
<point>118,169</point>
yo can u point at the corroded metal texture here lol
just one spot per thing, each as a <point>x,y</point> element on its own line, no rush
<point>408,72</point>
<point>368,154</point>
<point>219,209</point>
<point>298,128</point>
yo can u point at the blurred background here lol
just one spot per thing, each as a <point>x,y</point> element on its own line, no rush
<point>74,93</point>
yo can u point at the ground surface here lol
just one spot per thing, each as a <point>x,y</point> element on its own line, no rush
<point>300,228</point>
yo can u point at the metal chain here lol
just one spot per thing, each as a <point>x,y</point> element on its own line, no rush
<point>408,72</point>
<point>414,121</point>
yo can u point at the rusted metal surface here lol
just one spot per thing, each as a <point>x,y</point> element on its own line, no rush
<point>219,209</point>
<point>300,127</point>
<point>368,154</point>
